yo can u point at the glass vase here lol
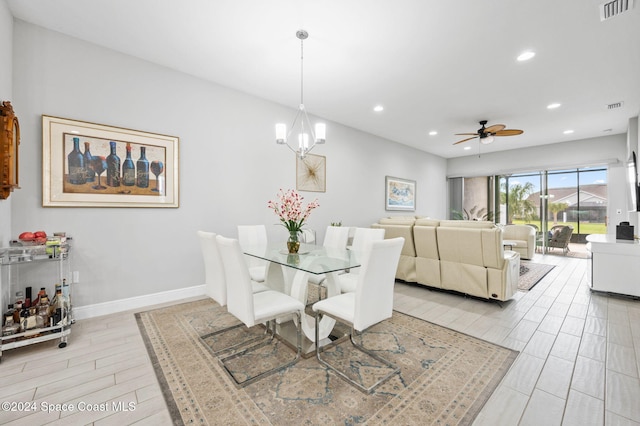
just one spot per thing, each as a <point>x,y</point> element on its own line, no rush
<point>293,243</point>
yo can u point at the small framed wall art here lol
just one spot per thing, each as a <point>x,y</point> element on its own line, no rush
<point>94,165</point>
<point>400,194</point>
<point>311,173</point>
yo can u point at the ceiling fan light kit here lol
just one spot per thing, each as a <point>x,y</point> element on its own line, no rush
<point>486,140</point>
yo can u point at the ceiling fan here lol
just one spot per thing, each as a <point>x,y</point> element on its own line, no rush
<point>486,134</point>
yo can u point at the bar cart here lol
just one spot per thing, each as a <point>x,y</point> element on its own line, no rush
<point>44,267</point>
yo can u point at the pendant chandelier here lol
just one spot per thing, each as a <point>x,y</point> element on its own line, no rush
<point>307,138</point>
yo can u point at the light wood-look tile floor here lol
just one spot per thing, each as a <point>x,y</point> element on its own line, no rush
<point>579,359</point>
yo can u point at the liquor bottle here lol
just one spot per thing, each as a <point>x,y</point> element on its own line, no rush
<point>27,297</point>
<point>10,328</point>
<point>24,314</point>
<point>128,169</point>
<point>28,319</point>
<point>113,166</point>
<point>42,318</point>
<point>75,162</point>
<point>142,166</point>
<point>8,315</point>
<point>42,292</point>
<point>91,175</point>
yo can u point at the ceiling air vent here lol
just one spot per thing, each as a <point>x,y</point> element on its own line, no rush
<point>614,105</point>
<point>614,8</point>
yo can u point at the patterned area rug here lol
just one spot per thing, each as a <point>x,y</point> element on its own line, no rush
<point>446,376</point>
<point>531,273</point>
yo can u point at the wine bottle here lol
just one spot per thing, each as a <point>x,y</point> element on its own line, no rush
<point>75,162</point>
<point>128,169</point>
<point>90,174</point>
<point>27,297</point>
<point>142,166</point>
<point>113,166</point>
<point>59,308</point>
<point>66,293</point>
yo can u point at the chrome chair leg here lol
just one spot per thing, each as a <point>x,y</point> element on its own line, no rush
<point>359,386</point>
<point>224,361</point>
<point>237,345</point>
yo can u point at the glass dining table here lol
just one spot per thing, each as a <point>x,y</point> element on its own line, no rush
<point>289,274</point>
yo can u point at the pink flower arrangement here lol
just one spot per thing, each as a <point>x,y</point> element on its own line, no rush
<point>289,209</point>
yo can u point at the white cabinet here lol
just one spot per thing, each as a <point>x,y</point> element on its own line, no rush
<point>36,266</point>
<point>615,265</point>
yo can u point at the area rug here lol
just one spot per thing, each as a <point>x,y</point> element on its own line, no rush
<point>446,377</point>
<point>531,273</point>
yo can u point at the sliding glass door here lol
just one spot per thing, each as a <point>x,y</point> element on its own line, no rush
<point>576,198</point>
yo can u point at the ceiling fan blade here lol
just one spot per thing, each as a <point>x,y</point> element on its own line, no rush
<point>464,140</point>
<point>466,134</point>
<point>508,132</point>
<point>495,128</point>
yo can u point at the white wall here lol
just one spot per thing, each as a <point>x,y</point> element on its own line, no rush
<point>6,94</point>
<point>230,165</point>
<point>609,150</point>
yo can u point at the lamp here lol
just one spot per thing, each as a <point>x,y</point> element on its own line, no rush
<point>307,137</point>
<point>486,140</point>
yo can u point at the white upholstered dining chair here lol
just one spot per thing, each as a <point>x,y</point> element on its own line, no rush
<point>253,308</point>
<point>254,235</point>
<point>308,236</point>
<point>334,237</point>
<point>371,303</point>
<point>215,284</point>
<point>362,239</point>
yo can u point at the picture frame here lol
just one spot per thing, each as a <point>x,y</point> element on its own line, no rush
<point>9,150</point>
<point>311,173</point>
<point>79,168</point>
<point>400,194</point>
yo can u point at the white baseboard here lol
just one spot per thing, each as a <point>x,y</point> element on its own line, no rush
<point>115,306</point>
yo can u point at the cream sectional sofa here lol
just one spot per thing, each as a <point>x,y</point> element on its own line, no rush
<point>463,256</point>
<point>402,226</point>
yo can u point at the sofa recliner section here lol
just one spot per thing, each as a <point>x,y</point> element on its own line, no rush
<point>402,227</point>
<point>427,255</point>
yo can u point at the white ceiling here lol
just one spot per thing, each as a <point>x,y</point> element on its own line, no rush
<point>434,65</point>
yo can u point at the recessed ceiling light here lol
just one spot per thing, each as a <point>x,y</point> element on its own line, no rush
<point>553,106</point>
<point>378,108</point>
<point>525,56</point>
<point>467,148</point>
<point>433,133</point>
<point>568,132</point>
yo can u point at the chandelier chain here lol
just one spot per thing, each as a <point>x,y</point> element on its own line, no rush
<point>302,69</point>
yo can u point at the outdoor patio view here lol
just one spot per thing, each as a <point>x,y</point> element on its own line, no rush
<point>575,198</point>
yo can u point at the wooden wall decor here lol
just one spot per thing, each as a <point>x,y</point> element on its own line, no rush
<point>9,142</point>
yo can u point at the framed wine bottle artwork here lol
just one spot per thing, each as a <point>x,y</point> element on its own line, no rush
<point>9,143</point>
<point>95,165</point>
